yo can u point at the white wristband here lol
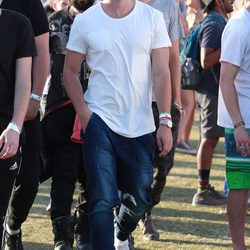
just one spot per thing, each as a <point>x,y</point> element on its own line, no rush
<point>35,97</point>
<point>165,114</point>
<point>13,126</point>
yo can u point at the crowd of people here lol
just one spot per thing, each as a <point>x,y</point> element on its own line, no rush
<point>90,93</point>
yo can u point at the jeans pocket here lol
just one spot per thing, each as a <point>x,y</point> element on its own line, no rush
<point>88,124</point>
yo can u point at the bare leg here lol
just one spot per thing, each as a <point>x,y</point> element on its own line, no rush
<point>186,122</point>
<point>205,152</point>
<point>236,211</point>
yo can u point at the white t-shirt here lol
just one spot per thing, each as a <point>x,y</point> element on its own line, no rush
<point>118,53</point>
<point>235,49</point>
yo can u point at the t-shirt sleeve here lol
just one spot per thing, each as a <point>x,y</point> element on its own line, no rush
<point>161,37</point>
<point>38,18</point>
<point>76,42</point>
<point>26,43</point>
<point>233,45</point>
<point>211,36</point>
<point>174,22</point>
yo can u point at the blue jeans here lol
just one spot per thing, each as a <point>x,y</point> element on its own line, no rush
<point>119,171</point>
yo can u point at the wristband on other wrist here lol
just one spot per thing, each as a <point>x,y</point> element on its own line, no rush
<point>35,97</point>
<point>13,126</point>
<point>236,125</point>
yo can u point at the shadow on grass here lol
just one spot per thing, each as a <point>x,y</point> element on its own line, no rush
<point>187,242</point>
<point>37,246</point>
<point>178,194</point>
<point>42,199</point>
<point>200,215</point>
<point>195,176</point>
<point>195,228</point>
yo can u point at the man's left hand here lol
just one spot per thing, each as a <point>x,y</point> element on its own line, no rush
<point>164,140</point>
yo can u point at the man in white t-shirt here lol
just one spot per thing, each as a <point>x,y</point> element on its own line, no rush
<point>234,115</point>
<point>125,44</point>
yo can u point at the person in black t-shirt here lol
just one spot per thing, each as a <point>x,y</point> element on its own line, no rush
<point>207,98</point>
<point>63,156</point>
<point>17,47</point>
<point>26,185</point>
<point>50,6</point>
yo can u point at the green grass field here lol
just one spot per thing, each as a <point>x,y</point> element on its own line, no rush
<point>181,226</point>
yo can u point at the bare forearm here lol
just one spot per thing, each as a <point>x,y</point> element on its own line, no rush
<point>210,59</point>
<point>161,79</point>
<point>74,91</point>
<point>175,72</point>
<point>41,64</point>
<point>22,93</point>
<point>22,89</point>
<point>231,101</point>
<point>228,74</point>
<point>162,90</point>
<point>72,64</point>
<point>40,73</point>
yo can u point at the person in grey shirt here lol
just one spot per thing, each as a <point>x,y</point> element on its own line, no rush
<point>163,165</point>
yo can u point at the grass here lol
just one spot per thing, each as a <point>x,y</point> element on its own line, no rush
<point>181,226</point>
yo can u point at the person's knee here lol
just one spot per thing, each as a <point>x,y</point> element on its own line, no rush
<point>27,188</point>
<point>209,143</point>
<point>142,194</point>
<point>102,206</point>
<point>189,109</point>
<point>161,172</point>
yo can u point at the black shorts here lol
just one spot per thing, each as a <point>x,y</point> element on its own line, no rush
<point>208,105</point>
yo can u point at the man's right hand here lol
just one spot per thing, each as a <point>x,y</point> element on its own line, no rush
<point>9,142</point>
<point>242,140</point>
<point>85,119</point>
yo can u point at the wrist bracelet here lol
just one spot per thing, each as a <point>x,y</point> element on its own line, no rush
<point>13,126</point>
<point>164,118</point>
<point>166,122</point>
<point>165,114</point>
<point>236,125</point>
<point>35,97</point>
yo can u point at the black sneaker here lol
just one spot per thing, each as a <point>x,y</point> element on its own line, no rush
<point>63,229</point>
<point>13,242</point>
<point>82,232</point>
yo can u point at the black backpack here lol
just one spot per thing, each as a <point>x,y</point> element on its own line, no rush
<point>190,60</point>
<point>191,70</point>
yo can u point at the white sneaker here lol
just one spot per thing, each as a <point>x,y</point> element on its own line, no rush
<point>121,245</point>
